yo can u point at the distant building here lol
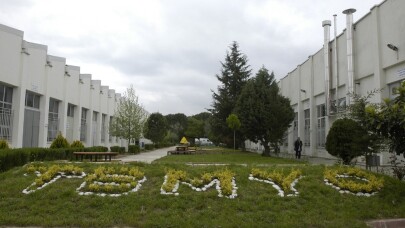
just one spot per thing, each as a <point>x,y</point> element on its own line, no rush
<point>40,96</point>
<point>369,54</point>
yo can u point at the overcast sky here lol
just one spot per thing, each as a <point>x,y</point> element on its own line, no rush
<point>171,50</point>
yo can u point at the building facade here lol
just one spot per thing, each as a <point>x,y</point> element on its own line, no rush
<point>40,96</point>
<point>369,54</point>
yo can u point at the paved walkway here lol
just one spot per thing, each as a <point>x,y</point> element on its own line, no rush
<point>147,157</point>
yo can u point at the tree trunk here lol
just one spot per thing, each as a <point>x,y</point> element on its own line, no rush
<point>266,151</point>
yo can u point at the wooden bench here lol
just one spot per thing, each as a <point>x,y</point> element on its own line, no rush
<point>95,154</point>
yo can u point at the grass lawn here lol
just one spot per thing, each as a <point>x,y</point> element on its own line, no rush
<point>257,203</point>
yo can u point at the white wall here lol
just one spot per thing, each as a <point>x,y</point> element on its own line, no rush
<point>27,66</point>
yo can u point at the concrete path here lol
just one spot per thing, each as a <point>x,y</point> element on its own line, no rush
<point>147,157</point>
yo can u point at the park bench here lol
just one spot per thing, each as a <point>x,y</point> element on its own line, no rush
<point>95,154</point>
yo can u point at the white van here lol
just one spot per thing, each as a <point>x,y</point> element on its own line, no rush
<point>203,142</point>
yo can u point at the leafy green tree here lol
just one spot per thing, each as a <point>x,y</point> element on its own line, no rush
<point>264,114</point>
<point>357,112</point>
<point>234,75</point>
<point>388,120</point>
<point>347,139</point>
<point>233,123</point>
<point>177,124</point>
<point>156,127</point>
<point>195,128</point>
<point>129,117</point>
<point>206,118</point>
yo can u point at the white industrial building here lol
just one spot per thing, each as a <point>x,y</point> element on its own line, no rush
<point>369,54</point>
<point>40,96</point>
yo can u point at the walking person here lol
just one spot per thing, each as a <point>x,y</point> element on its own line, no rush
<point>298,148</point>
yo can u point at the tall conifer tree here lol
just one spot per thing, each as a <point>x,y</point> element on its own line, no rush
<point>234,75</point>
<point>264,114</point>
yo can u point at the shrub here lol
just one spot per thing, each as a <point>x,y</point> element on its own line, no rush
<point>60,142</point>
<point>346,139</point>
<point>3,144</point>
<point>149,146</point>
<point>117,149</point>
<point>134,149</point>
<point>96,149</point>
<point>77,144</point>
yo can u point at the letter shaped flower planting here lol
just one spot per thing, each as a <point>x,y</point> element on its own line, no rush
<point>223,180</point>
<point>112,182</point>
<point>283,184</point>
<point>353,181</point>
<point>47,176</point>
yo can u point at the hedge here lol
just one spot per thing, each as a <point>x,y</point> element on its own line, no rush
<point>134,149</point>
<point>10,158</point>
<point>119,149</point>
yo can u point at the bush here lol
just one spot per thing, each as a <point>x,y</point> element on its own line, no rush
<point>96,149</point>
<point>60,142</point>
<point>3,144</point>
<point>347,139</point>
<point>149,146</point>
<point>119,149</point>
<point>77,144</point>
<point>134,149</point>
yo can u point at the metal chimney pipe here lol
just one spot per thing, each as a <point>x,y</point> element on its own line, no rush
<point>326,30</point>
<point>336,64</point>
<point>349,41</point>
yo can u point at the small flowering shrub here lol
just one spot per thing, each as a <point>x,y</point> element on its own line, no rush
<point>77,144</point>
<point>353,179</point>
<point>60,142</point>
<point>4,144</point>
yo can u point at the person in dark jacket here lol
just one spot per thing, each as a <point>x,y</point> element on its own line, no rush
<point>298,148</point>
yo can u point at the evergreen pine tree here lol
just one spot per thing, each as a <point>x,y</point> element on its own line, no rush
<point>234,75</point>
<point>264,114</point>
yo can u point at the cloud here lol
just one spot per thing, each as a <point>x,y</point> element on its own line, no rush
<point>171,50</point>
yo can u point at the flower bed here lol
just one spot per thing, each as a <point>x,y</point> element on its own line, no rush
<point>283,184</point>
<point>47,176</point>
<point>223,180</point>
<point>112,182</point>
<point>103,182</point>
<point>353,181</point>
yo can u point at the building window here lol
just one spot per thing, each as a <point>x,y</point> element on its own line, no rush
<point>31,100</point>
<point>6,114</point>
<point>83,125</point>
<point>295,126</point>
<point>103,127</point>
<point>53,119</point>
<point>320,110</point>
<point>71,110</point>
<point>338,107</point>
<point>393,89</point>
<point>307,128</point>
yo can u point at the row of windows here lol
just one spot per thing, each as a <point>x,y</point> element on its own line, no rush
<point>32,100</point>
<point>6,114</point>
<point>320,130</point>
